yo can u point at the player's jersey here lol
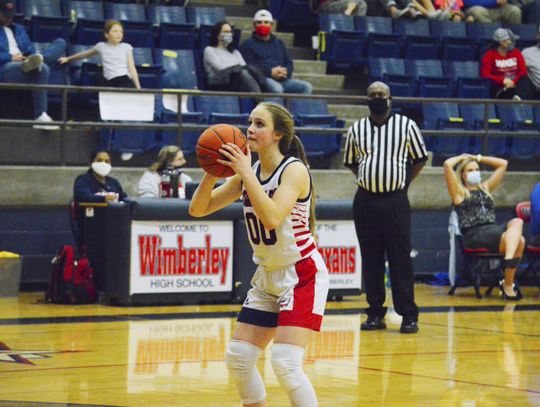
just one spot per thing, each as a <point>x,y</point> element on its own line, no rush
<point>292,240</point>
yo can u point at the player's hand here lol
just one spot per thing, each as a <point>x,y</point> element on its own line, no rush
<point>236,159</point>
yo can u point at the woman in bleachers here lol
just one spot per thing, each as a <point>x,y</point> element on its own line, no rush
<point>225,67</point>
<point>442,10</point>
<point>505,67</point>
<point>116,58</point>
<point>472,200</point>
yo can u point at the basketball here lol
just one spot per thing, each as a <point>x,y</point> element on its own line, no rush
<point>209,143</point>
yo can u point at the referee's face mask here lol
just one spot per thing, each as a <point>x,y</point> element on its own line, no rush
<point>378,106</point>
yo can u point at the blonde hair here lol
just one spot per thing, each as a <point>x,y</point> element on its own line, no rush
<point>165,157</point>
<point>290,144</point>
<point>110,24</point>
<point>459,175</point>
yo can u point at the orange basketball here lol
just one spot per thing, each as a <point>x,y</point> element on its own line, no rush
<point>209,143</point>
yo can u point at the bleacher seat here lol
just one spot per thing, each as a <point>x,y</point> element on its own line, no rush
<point>482,33</point>
<point>220,109</point>
<point>125,12</point>
<point>138,31</point>
<point>57,75</point>
<point>380,25</point>
<point>473,114</point>
<point>47,21</point>
<point>418,28</point>
<point>445,116</point>
<point>293,15</point>
<point>447,29</point>
<point>378,67</point>
<point>90,20</point>
<point>381,42</point>
<point>454,43</point>
<point>417,42</point>
<point>149,72</point>
<point>339,44</point>
<point>205,15</point>
<point>520,117</point>
<point>429,74</point>
<point>173,30</point>
<point>461,69</point>
<point>189,137</point>
<point>179,68</point>
<point>466,77</point>
<point>527,34</point>
<point>314,113</point>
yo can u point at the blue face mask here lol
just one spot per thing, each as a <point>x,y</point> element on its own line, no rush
<point>474,178</point>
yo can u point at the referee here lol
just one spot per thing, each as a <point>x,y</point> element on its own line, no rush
<point>385,151</point>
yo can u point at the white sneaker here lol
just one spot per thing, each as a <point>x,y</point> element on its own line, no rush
<point>32,63</point>
<point>126,156</point>
<point>517,98</point>
<point>45,118</point>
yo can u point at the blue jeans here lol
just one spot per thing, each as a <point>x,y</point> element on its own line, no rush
<point>288,86</point>
<point>12,73</point>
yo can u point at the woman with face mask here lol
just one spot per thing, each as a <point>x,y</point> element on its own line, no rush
<point>96,186</point>
<point>505,67</point>
<point>472,200</point>
<point>156,181</point>
<point>224,65</point>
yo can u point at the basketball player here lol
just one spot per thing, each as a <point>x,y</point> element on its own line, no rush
<point>287,300</point>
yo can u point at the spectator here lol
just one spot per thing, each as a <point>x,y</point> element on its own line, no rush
<point>269,55</point>
<point>493,11</point>
<point>348,7</point>
<point>19,62</point>
<point>401,9</point>
<point>504,65</point>
<point>224,65</point>
<point>442,10</point>
<point>156,181</point>
<point>472,200</point>
<point>95,186</point>
<point>532,61</point>
<point>535,215</point>
<point>116,57</point>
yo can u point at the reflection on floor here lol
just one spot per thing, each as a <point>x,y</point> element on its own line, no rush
<point>468,352</point>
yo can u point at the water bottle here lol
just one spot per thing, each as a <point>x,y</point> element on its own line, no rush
<point>174,181</point>
<point>165,184</point>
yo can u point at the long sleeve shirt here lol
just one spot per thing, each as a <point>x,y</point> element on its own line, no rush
<point>497,67</point>
<point>22,39</point>
<point>267,54</point>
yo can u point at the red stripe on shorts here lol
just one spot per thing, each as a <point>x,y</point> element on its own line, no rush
<point>304,299</point>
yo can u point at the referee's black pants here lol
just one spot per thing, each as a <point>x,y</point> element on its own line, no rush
<point>383,226</point>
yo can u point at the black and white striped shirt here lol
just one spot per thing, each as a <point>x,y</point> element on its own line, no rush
<point>383,153</point>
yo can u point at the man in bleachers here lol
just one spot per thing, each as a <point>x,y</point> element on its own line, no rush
<point>493,11</point>
<point>269,55</point>
<point>532,60</point>
<point>19,62</point>
<point>401,9</point>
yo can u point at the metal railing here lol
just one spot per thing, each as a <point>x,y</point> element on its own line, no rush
<point>179,126</point>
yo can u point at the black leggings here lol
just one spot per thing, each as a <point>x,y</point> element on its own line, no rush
<point>123,81</point>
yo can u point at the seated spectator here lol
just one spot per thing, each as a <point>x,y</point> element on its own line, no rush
<point>532,61</point>
<point>224,65</point>
<point>401,9</point>
<point>472,200</point>
<point>19,62</point>
<point>535,215</point>
<point>116,58</point>
<point>493,11</point>
<point>157,181</point>
<point>348,7</point>
<point>504,65</point>
<point>442,10</point>
<point>269,55</point>
<point>95,186</point>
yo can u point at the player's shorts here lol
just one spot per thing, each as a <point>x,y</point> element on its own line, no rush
<point>292,296</point>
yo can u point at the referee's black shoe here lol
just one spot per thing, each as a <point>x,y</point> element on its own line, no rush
<point>408,326</point>
<point>372,324</point>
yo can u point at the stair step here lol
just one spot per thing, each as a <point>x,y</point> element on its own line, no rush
<point>322,81</point>
<point>310,67</point>
<point>242,23</point>
<point>349,112</point>
<point>302,53</point>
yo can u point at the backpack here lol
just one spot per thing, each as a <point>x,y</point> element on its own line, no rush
<point>72,279</point>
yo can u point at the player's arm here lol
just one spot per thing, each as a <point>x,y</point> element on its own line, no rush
<point>207,200</point>
<point>272,212</point>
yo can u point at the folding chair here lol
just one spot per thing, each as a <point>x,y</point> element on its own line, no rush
<point>523,211</point>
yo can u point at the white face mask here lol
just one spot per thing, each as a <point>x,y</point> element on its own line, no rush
<point>474,178</point>
<point>101,168</point>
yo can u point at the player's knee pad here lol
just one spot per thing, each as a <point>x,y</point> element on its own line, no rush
<point>240,359</point>
<point>287,363</point>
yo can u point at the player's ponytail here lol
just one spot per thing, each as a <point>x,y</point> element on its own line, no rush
<point>290,144</point>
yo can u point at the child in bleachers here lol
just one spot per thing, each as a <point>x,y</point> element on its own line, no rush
<point>442,10</point>
<point>116,57</point>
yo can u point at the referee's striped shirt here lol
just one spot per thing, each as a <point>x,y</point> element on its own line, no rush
<point>383,153</point>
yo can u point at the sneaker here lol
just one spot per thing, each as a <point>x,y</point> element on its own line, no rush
<point>32,63</point>
<point>408,326</point>
<point>517,98</point>
<point>372,324</point>
<point>126,156</point>
<point>45,118</point>
<point>401,13</point>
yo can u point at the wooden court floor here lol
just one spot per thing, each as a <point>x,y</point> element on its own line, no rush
<point>468,353</point>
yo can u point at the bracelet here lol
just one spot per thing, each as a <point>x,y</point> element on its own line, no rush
<point>479,157</point>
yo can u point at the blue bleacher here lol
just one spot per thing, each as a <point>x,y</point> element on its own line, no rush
<point>57,75</point>
<point>138,31</point>
<point>220,109</point>
<point>429,74</point>
<point>340,45</point>
<point>172,28</point>
<point>47,21</point>
<point>179,68</point>
<point>447,29</point>
<point>90,21</point>
<point>293,15</point>
<point>473,114</point>
<point>520,117</point>
<point>445,116</point>
<point>205,15</point>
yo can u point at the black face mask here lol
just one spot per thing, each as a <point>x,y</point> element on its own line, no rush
<point>378,106</point>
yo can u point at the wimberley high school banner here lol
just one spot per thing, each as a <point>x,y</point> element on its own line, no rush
<point>178,257</point>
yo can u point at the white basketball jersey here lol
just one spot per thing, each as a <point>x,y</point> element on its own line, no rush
<point>292,240</point>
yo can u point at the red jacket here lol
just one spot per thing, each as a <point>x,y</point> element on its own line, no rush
<point>496,67</point>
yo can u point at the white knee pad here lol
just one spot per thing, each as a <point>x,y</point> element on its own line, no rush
<point>240,359</point>
<point>287,362</point>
